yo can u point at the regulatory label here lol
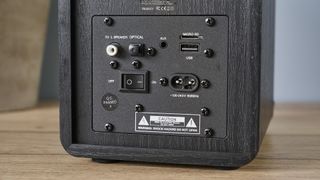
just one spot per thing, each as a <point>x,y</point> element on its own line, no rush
<point>171,123</point>
<point>158,5</point>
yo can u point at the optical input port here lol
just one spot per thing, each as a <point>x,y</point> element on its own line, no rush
<point>113,49</point>
<point>184,82</point>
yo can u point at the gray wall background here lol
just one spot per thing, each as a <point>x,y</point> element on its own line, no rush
<point>297,67</point>
<point>49,79</point>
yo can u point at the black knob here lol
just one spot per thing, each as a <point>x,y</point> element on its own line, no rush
<point>163,81</point>
<point>210,21</point>
<point>139,108</point>
<point>208,132</point>
<point>205,111</point>
<point>151,51</point>
<point>208,52</point>
<point>108,127</point>
<point>108,21</point>
<point>137,64</point>
<point>114,64</point>
<point>205,83</point>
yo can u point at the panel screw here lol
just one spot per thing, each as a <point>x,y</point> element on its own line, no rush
<point>108,127</point>
<point>208,132</point>
<point>205,111</point>
<point>151,51</point>
<point>108,21</point>
<point>136,64</point>
<point>210,21</point>
<point>205,83</point>
<point>139,108</point>
<point>163,81</point>
<point>208,52</point>
<point>114,64</point>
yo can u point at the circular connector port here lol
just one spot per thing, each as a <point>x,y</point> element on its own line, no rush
<point>112,49</point>
<point>163,44</point>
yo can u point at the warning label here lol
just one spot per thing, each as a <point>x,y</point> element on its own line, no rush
<point>171,123</point>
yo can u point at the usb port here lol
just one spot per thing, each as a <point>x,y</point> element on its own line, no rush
<point>190,36</point>
<point>189,47</point>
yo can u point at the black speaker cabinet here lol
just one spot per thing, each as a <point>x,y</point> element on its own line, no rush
<point>167,81</point>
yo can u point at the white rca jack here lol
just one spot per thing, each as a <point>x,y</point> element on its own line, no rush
<point>112,49</point>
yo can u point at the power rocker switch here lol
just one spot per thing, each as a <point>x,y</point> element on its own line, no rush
<point>134,81</point>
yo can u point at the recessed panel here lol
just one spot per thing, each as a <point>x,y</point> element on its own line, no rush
<point>163,75</point>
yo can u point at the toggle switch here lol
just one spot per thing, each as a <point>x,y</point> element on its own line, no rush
<point>136,81</point>
<point>133,81</point>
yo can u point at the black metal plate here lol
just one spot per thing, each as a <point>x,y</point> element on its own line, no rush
<point>151,31</point>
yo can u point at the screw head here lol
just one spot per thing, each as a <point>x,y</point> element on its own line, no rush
<point>205,83</point>
<point>151,51</point>
<point>205,111</point>
<point>114,64</point>
<point>108,127</point>
<point>210,21</point>
<point>108,21</point>
<point>139,108</point>
<point>163,81</point>
<point>136,64</point>
<point>208,132</point>
<point>208,52</point>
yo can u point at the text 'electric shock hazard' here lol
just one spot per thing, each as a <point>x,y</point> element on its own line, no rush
<point>167,123</point>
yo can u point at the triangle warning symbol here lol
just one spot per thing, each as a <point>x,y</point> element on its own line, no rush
<point>143,122</point>
<point>191,124</point>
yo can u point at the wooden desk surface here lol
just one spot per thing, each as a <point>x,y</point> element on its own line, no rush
<point>30,149</point>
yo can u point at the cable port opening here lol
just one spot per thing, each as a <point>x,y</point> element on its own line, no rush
<point>184,82</point>
<point>189,47</point>
<point>190,36</point>
<point>113,49</point>
<point>163,44</point>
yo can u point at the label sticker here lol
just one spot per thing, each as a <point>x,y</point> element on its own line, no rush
<point>171,123</point>
<point>158,5</point>
<point>109,102</point>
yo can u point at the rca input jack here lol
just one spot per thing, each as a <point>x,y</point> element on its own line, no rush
<point>113,49</point>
